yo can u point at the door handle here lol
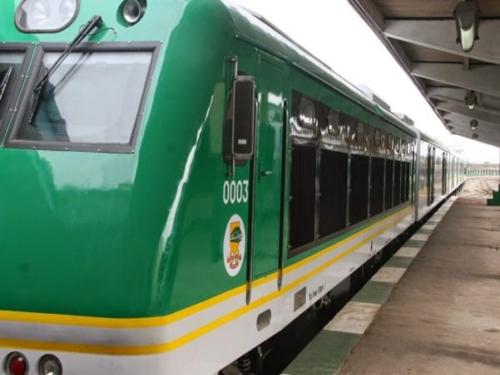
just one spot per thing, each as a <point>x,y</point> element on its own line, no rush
<point>266,173</point>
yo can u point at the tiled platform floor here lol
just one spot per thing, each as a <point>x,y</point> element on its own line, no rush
<point>440,317</point>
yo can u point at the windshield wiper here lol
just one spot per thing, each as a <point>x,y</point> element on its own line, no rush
<point>6,74</point>
<point>95,22</point>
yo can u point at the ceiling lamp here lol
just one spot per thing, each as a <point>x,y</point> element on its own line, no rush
<point>474,124</point>
<point>471,100</point>
<point>467,18</point>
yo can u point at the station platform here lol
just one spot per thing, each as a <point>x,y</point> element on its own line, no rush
<point>434,307</point>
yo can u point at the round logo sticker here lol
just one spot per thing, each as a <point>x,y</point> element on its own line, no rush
<point>234,245</point>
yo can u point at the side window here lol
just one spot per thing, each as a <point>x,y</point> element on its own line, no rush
<point>377,186</point>
<point>303,195</point>
<point>304,120</point>
<point>389,181</point>
<point>360,133</point>
<point>390,143</point>
<point>377,138</point>
<point>358,202</point>
<point>303,173</point>
<point>397,182</point>
<point>333,188</point>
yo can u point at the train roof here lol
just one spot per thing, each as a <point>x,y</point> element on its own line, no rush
<point>257,30</point>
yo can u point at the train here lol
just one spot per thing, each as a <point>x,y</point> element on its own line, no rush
<point>179,181</point>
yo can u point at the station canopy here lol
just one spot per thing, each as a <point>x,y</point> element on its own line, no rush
<point>451,51</point>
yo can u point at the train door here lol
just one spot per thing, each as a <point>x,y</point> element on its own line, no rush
<point>269,178</point>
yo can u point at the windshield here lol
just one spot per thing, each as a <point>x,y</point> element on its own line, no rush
<point>93,98</point>
<point>10,68</point>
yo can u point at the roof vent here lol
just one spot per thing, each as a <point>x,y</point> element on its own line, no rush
<point>408,121</point>
<point>374,97</point>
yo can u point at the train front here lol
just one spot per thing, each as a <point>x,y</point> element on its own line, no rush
<point>91,159</point>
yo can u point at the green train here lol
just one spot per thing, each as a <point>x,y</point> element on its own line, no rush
<point>179,181</point>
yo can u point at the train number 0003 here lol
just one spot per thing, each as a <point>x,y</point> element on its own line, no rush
<point>235,192</point>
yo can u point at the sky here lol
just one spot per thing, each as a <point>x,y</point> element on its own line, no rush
<point>336,34</point>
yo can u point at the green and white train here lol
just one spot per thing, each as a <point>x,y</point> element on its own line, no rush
<point>179,181</point>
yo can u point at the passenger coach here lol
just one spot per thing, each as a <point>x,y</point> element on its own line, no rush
<point>179,181</point>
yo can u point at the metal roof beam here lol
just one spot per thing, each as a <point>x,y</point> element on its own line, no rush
<point>486,133</point>
<point>479,113</point>
<point>441,35</point>
<point>369,11</point>
<point>482,78</point>
<point>464,122</point>
<point>486,102</point>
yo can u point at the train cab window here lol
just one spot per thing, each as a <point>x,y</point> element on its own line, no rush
<point>377,186</point>
<point>93,98</point>
<point>358,201</point>
<point>333,188</point>
<point>10,70</point>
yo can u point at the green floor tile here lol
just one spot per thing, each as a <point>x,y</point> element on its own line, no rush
<point>374,292</point>
<point>403,262</point>
<point>425,231</point>
<point>324,355</point>
<point>415,243</point>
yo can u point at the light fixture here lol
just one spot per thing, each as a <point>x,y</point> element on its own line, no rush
<point>16,364</point>
<point>133,10</point>
<point>474,124</point>
<point>467,19</point>
<point>49,365</point>
<point>46,15</point>
<point>471,100</point>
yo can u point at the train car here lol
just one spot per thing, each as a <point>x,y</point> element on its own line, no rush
<point>179,181</point>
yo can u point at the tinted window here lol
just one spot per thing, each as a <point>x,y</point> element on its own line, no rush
<point>389,180</point>
<point>397,183</point>
<point>10,69</point>
<point>358,202</point>
<point>93,98</point>
<point>333,186</point>
<point>304,121</point>
<point>303,196</point>
<point>377,186</point>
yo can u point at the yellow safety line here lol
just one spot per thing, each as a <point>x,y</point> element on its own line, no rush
<point>183,340</point>
<point>131,323</point>
<point>137,323</point>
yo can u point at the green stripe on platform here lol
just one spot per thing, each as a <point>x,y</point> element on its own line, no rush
<point>401,262</point>
<point>374,292</point>
<point>324,355</point>
<point>415,243</point>
<point>425,231</point>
